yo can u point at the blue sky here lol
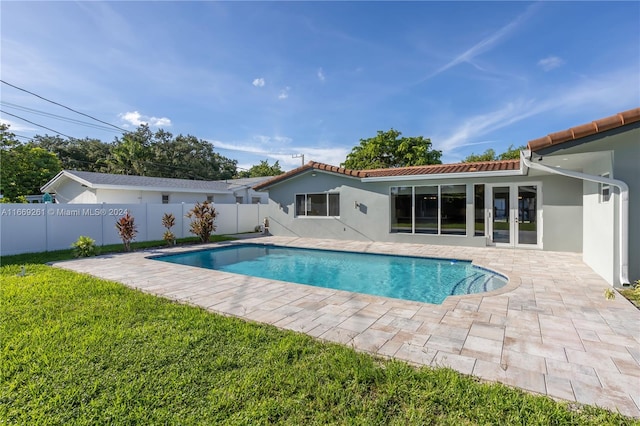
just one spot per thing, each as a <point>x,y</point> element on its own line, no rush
<point>269,80</point>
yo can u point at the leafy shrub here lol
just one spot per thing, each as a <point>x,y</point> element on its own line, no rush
<point>202,225</point>
<point>127,230</point>
<point>168,220</point>
<point>84,247</point>
<point>633,293</point>
<point>169,238</point>
<point>609,294</point>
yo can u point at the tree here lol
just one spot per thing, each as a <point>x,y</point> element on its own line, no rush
<point>141,153</point>
<point>160,154</point>
<point>78,154</point>
<point>188,157</point>
<point>388,149</point>
<point>24,168</point>
<point>131,154</point>
<point>7,138</point>
<point>262,169</point>
<point>512,153</point>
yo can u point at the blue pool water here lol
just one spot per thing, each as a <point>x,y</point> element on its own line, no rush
<point>402,277</point>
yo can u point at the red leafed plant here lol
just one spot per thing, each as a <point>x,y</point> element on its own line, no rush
<point>168,220</point>
<point>203,215</point>
<point>127,230</point>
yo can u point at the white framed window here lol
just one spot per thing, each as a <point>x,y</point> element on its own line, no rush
<point>255,200</point>
<point>239,200</point>
<point>605,190</point>
<point>318,205</point>
<point>210,198</point>
<point>165,198</point>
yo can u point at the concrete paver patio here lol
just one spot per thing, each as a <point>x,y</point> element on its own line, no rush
<point>549,331</point>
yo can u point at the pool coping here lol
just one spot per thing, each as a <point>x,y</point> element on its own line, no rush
<point>548,331</point>
<point>509,285</point>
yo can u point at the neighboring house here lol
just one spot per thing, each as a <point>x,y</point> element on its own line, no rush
<point>244,192</point>
<point>39,198</point>
<point>73,187</point>
<point>573,191</point>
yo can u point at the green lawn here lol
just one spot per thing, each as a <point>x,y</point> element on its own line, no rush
<point>633,294</point>
<point>52,256</point>
<point>80,350</point>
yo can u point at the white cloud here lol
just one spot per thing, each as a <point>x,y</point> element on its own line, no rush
<point>608,92</point>
<point>17,127</point>
<point>263,139</point>
<point>284,94</point>
<point>479,125</point>
<point>283,152</point>
<point>321,76</point>
<point>550,63</point>
<point>134,118</point>
<point>487,43</point>
<point>259,82</point>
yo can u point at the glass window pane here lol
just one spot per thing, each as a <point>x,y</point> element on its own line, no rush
<point>527,223</point>
<point>401,209</point>
<point>317,205</point>
<point>501,220</point>
<point>478,196</point>
<point>426,209</point>
<point>300,205</point>
<point>454,209</point>
<point>334,204</point>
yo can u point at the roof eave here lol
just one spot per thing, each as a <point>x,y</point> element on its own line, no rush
<point>54,183</point>
<point>312,170</point>
<point>162,189</point>
<point>583,131</point>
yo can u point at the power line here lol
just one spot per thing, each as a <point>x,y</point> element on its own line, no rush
<point>21,136</point>
<point>36,124</point>
<point>64,106</point>
<point>58,117</point>
<point>98,120</point>
<point>248,151</point>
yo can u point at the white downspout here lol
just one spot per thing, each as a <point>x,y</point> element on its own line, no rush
<point>623,206</point>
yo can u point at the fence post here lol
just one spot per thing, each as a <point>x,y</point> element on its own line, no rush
<point>146,219</point>
<point>103,213</point>
<point>46,229</point>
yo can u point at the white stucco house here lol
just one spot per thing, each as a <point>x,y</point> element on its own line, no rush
<point>577,190</point>
<point>78,187</point>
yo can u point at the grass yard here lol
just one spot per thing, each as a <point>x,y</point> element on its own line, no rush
<point>52,256</point>
<point>81,350</point>
<point>633,294</point>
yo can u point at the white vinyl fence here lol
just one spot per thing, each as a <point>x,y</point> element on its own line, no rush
<point>29,228</point>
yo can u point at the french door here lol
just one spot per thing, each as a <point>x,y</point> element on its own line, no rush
<point>514,215</point>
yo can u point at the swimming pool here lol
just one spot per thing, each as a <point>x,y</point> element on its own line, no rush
<point>402,277</point>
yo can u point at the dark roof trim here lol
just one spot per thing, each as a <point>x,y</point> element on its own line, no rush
<point>578,132</point>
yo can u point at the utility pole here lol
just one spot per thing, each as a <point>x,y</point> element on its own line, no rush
<point>298,156</point>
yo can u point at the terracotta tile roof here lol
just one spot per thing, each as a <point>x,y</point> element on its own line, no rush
<point>577,132</point>
<point>484,166</point>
